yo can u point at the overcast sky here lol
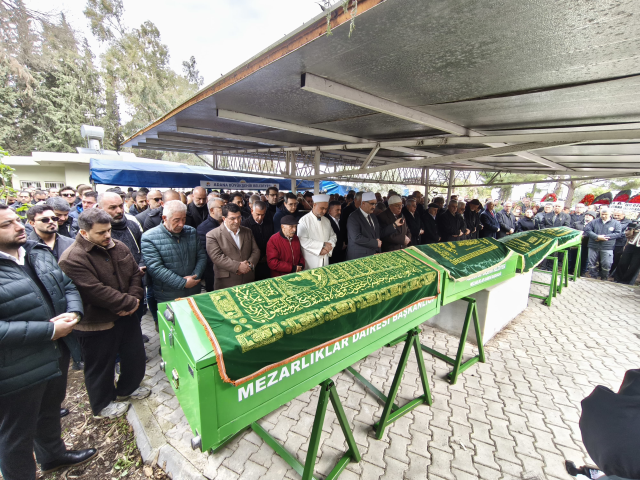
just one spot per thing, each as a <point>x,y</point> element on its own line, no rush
<point>221,34</point>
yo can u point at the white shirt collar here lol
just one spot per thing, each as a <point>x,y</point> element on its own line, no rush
<point>366,215</point>
<point>235,236</point>
<point>21,254</point>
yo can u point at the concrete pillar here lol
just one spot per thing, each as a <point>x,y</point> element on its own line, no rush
<point>452,175</point>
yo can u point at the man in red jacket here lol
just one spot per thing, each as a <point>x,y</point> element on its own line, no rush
<point>283,249</point>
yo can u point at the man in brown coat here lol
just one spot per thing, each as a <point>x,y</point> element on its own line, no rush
<point>109,281</point>
<point>401,237</point>
<point>233,250</point>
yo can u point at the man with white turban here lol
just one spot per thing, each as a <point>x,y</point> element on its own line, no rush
<point>316,235</point>
<point>364,230</point>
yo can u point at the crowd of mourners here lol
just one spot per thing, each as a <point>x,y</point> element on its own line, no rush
<point>79,269</point>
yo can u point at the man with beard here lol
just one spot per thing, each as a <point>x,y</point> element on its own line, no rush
<point>197,211</point>
<point>67,226</point>
<point>45,229</point>
<point>126,231</point>
<point>450,224</point>
<point>35,357</point>
<point>400,237</point>
<point>139,201</point>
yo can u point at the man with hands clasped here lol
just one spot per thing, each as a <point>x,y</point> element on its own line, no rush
<point>233,250</point>
<point>364,230</point>
<point>110,284</point>
<point>39,307</point>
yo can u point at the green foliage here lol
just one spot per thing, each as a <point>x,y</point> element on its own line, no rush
<point>50,83</point>
<point>6,177</point>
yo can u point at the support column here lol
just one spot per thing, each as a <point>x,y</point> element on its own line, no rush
<point>316,165</point>
<point>215,161</point>
<point>452,174</point>
<point>292,170</point>
<point>426,186</point>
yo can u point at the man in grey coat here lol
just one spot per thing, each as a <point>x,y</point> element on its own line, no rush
<point>364,231</point>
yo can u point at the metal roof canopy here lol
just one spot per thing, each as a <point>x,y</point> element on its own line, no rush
<point>551,85</point>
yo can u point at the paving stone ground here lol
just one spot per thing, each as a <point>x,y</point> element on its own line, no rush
<point>514,417</point>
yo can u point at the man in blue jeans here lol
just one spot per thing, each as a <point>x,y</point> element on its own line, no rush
<point>603,233</point>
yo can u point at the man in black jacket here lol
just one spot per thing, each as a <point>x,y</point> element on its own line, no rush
<point>556,218</point>
<point>340,250</point>
<point>272,200</point>
<point>430,224</point>
<point>214,220</point>
<point>197,211</point>
<point>261,226</point>
<point>450,224</point>
<point>414,220</point>
<point>67,226</point>
<point>154,200</point>
<point>154,217</point>
<point>472,218</point>
<point>621,241</point>
<point>33,372</point>
<point>45,229</point>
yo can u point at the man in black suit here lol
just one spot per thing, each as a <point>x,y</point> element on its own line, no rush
<point>414,220</point>
<point>333,214</point>
<point>363,229</point>
<point>430,224</point>
<point>450,224</point>
<point>352,205</point>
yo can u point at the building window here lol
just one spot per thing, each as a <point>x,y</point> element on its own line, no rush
<point>48,185</point>
<point>29,184</point>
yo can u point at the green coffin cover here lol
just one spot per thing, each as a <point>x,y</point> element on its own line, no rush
<point>465,259</point>
<point>535,245</point>
<point>259,326</point>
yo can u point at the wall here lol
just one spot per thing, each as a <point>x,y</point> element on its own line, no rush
<point>38,173</point>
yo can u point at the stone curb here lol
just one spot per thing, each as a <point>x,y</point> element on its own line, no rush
<point>154,447</point>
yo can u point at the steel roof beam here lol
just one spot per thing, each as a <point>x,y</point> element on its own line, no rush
<point>195,141</point>
<point>458,157</point>
<point>321,86</point>
<point>231,136</point>
<point>266,122</point>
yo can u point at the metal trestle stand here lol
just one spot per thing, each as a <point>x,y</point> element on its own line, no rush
<point>391,411</point>
<point>458,365</point>
<point>327,392</point>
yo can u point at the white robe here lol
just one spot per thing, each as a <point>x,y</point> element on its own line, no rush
<point>312,234</point>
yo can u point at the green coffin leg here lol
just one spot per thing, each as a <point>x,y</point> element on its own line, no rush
<point>552,286</point>
<point>576,269</point>
<point>458,366</point>
<point>391,411</point>
<point>328,393</point>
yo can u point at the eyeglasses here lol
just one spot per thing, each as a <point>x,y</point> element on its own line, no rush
<point>48,219</point>
<point>67,194</point>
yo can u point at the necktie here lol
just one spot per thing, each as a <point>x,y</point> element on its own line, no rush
<point>371,223</point>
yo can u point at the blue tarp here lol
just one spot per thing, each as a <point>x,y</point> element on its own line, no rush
<point>176,175</point>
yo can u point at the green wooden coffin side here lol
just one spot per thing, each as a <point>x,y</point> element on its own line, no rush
<point>217,410</point>
<point>451,290</point>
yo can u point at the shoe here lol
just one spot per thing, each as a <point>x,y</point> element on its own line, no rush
<point>138,394</point>
<point>113,410</point>
<point>77,365</point>
<point>157,328</point>
<point>71,458</point>
<point>64,412</point>
<point>145,339</point>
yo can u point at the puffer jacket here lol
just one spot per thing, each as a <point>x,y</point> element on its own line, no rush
<point>28,356</point>
<point>170,257</point>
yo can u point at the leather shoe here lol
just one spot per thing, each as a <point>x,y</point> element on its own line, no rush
<point>64,412</point>
<point>71,458</point>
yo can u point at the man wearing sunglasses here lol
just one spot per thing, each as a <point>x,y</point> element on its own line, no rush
<point>45,229</point>
<point>154,199</point>
<point>69,194</point>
